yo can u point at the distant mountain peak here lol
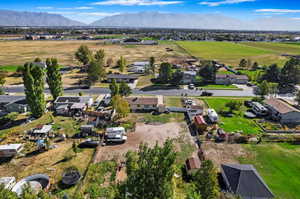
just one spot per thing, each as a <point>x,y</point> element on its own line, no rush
<point>16,18</point>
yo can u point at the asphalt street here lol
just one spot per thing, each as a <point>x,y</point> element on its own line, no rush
<point>248,92</point>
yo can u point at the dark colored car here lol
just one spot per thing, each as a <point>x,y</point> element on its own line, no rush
<point>205,93</point>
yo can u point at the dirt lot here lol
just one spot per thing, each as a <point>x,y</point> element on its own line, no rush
<point>222,153</point>
<point>143,133</point>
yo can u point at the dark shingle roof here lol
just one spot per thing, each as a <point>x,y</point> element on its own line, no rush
<point>245,181</point>
<point>280,106</point>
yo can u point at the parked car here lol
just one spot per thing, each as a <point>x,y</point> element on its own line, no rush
<point>191,86</point>
<point>206,93</point>
<point>250,84</point>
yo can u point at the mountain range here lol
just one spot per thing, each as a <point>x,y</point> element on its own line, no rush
<point>153,20</point>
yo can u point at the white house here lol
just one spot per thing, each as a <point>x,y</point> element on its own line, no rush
<point>282,111</point>
<point>10,150</point>
<point>144,103</point>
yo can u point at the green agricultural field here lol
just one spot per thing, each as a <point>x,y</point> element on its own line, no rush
<point>282,48</point>
<point>236,123</point>
<point>279,165</point>
<point>231,53</point>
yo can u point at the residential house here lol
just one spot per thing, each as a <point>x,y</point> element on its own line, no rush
<point>139,67</point>
<point>19,105</point>
<point>10,150</point>
<point>99,118</point>
<point>128,78</point>
<point>188,77</point>
<point>282,111</point>
<point>71,100</point>
<point>227,79</point>
<point>8,99</point>
<point>192,165</point>
<point>144,103</point>
<point>245,181</point>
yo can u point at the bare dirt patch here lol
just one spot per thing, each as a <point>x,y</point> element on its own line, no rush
<point>222,153</point>
<point>144,133</point>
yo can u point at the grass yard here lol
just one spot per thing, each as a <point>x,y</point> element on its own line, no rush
<point>231,53</point>
<point>220,87</point>
<point>279,165</point>
<point>162,118</point>
<point>144,81</point>
<point>236,123</point>
<point>173,101</point>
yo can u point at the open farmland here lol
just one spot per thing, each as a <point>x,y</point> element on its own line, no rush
<point>231,53</point>
<point>279,166</point>
<point>19,52</point>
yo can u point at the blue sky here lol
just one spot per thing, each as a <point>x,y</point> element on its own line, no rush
<point>91,10</point>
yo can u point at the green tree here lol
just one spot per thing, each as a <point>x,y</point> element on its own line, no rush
<point>208,71</point>
<point>75,148</point>
<point>124,89</point>
<point>255,66</point>
<point>290,73</point>
<point>96,71</point>
<point>165,72</point>
<point>54,79</point>
<point>151,172</point>
<point>121,64</point>
<point>7,194</point>
<point>206,180</point>
<point>176,78</point>
<point>100,56</point>
<point>264,89</point>
<point>38,60</point>
<point>243,63</point>
<point>83,54</point>
<point>297,99</point>
<point>121,106</point>
<point>152,64</point>
<point>272,74</point>
<point>233,105</point>
<point>114,88</point>
<point>34,80</point>
<point>2,81</point>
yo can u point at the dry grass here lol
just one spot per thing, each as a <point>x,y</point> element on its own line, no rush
<point>19,52</point>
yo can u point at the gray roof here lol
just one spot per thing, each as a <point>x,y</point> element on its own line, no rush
<point>72,99</point>
<point>6,99</point>
<point>122,76</point>
<point>245,181</point>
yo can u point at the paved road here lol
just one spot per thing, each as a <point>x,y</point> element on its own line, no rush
<point>168,92</point>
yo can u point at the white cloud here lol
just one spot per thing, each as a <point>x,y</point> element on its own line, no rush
<point>277,11</point>
<point>44,7</point>
<point>137,2</point>
<point>224,2</point>
<point>83,8</point>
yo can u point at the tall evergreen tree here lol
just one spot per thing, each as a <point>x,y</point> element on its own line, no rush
<point>54,78</point>
<point>122,64</point>
<point>152,64</point>
<point>114,88</point>
<point>124,89</point>
<point>208,71</point>
<point>206,180</point>
<point>96,71</point>
<point>165,72</point>
<point>290,73</point>
<point>34,80</point>
<point>272,74</point>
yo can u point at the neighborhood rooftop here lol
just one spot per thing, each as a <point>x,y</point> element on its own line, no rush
<point>122,76</point>
<point>280,106</point>
<point>142,100</point>
<point>245,181</point>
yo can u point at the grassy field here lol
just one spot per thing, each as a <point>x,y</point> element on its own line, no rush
<point>282,48</point>
<point>279,165</point>
<point>231,53</point>
<point>173,101</point>
<point>236,123</point>
<point>19,52</point>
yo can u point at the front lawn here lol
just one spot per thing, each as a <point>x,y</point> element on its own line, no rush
<point>237,122</point>
<point>173,101</point>
<point>279,166</point>
<point>220,87</point>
